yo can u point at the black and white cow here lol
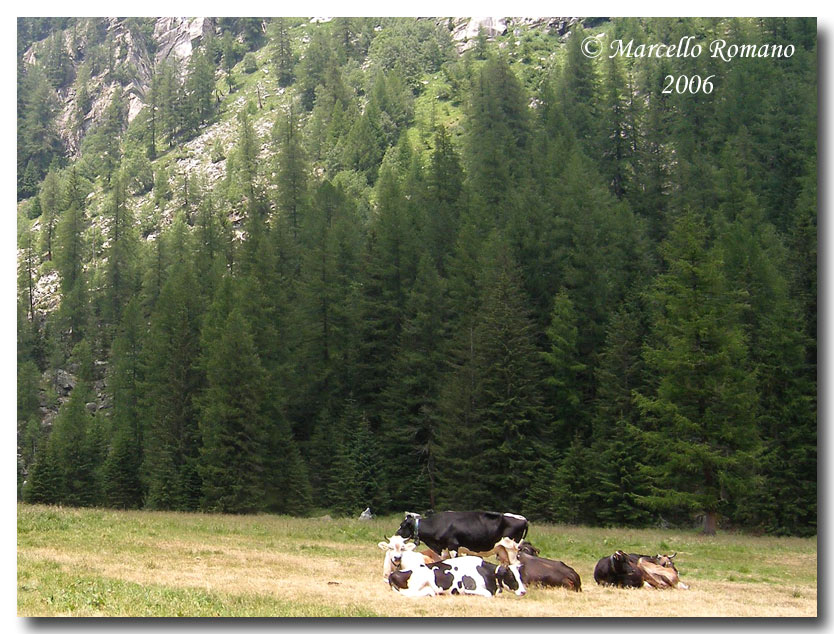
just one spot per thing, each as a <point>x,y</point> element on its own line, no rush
<point>476,531</point>
<point>459,575</point>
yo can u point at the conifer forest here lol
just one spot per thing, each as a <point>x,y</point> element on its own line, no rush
<point>313,265</point>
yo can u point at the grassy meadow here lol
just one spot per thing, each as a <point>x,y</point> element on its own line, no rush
<point>91,562</point>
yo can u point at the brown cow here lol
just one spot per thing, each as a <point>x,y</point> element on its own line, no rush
<point>662,574</point>
<point>537,570</point>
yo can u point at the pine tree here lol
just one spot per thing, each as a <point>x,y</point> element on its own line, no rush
<point>282,56</point>
<point>121,484</point>
<point>122,279</point>
<point>411,416</point>
<point>491,402</point>
<point>442,200</point>
<point>697,417</point>
<point>232,424</point>
<point>121,471</point>
<point>50,200</point>
<point>45,484</point>
<point>199,86</point>
<point>37,136</point>
<point>619,480</point>
<point>292,169</point>
<point>172,380</point>
<point>498,139</point>
<point>75,451</point>
<point>566,369</point>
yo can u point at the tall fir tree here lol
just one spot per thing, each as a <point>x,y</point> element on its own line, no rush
<point>698,412</point>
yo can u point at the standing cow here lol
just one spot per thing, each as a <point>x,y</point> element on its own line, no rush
<point>477,531</point>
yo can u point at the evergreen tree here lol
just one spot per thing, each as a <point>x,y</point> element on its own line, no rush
<point>697,416</point>
<point>45,484</point>
<point>38,142</point>
<point>618,480</point>
<point>75,451</point>
<point>232,424</point>
<point>282,55</point>
<point>411,416</point>
<point>491,402</point>
<point>121,470</point>
<point>292,169</point>
<point>172,380</point>
<point>199,86</point>
<point>50,201</point>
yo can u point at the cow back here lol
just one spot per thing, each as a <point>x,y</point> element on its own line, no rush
<point>477,531</point>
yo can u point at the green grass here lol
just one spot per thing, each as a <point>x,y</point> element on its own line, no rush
<point>83,562</point>
<point>44,589</point>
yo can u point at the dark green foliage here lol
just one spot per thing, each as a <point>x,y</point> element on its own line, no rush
<point>232,423</point>
<point>282,57</point>
<point>698,414</point>
<point>73,444</point>
<point>515,278</point>
<point>37,136</point>
<point>172,380</point>
<point>45,485</point>
<point>491,401</point>
<point>358,475</point>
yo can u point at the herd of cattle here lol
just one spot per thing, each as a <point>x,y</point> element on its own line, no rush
<point>458,541</point>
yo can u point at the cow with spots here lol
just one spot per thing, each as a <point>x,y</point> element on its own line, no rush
<point>459,575</point>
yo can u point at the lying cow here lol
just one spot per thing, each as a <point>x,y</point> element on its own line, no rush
<point>660,573</point>
<point>477,531</point>
<point>616,570</point>
<point>537,570</point>
<point>636,571</point>
<point>395,548</point>
<point>459,575</point>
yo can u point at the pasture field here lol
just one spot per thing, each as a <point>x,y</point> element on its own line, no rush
<point>94,562</point>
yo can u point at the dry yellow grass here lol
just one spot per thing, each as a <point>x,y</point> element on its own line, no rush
<point>298,561</point>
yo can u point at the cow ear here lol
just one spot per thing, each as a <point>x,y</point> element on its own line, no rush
<point>383,545</point>
<point>409,546</point>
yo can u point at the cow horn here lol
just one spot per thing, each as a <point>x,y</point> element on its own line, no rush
<point>673,556</point>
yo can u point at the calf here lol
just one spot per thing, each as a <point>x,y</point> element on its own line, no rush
<point>537,570</point>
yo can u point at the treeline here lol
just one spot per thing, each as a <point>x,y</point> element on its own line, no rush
<point>587,301</point>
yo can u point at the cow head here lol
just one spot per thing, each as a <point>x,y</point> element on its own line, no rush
<point>409,528</point>
<point>528,548</point>
<point>394,549</point>
<point>510,576</point>
<point>665,560</point>
<point>619,561</point>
